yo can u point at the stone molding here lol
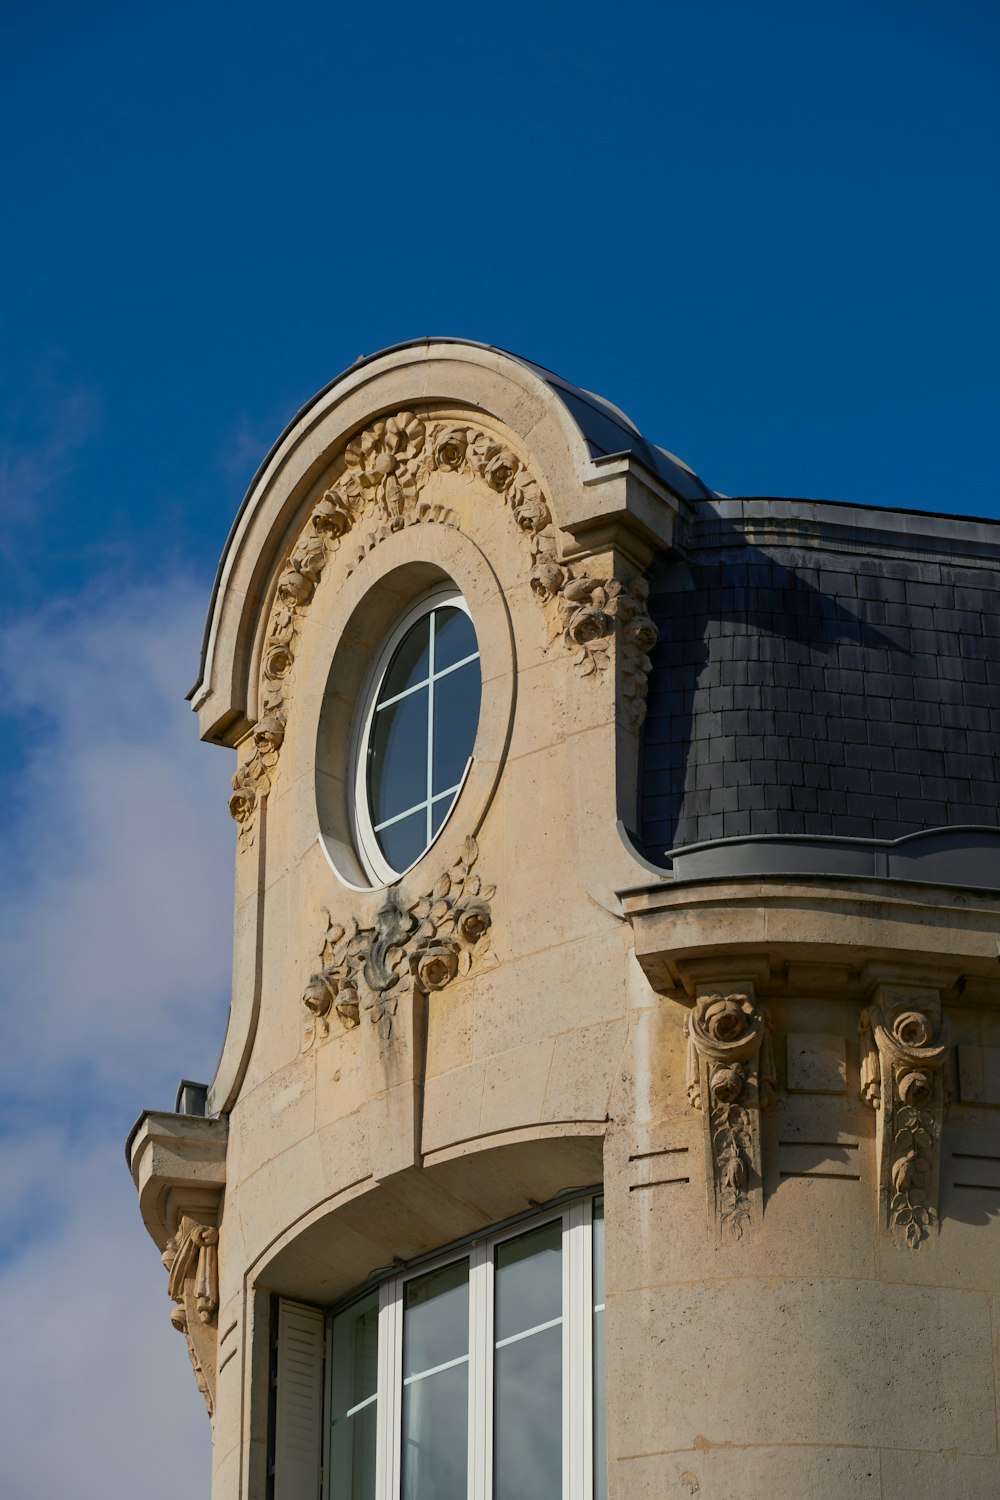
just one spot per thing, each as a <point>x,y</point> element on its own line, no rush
<point>422,945</point>
<point>191,1257</point>
<point>384,470</point>
<point>730,1079</point>
<point>904,1046</point>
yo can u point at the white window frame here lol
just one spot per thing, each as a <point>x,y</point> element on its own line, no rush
<point>577,1320</point>
<point>370,853</point>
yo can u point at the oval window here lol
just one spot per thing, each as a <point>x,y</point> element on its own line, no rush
<point>418,731</point>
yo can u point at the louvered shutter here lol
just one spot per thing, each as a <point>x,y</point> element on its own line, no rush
<point>298,1436</point>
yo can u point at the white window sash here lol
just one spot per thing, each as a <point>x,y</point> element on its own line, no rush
<point>577,1350</point>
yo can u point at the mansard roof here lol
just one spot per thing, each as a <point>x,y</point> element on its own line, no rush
<point>824,695</point>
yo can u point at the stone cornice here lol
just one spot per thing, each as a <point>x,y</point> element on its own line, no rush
<point>840,929</point>
<point>178,1164</point>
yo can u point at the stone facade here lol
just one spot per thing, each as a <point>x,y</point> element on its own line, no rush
<point>776,1048</point>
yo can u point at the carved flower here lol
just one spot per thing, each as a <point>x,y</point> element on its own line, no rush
<point>727,1083</point>
<point>531,514</point>
<point>500,470</point>
<point>332,515</point>
<point>913,1029</point>
<point>641,632</point>
<point>278,662</point>
<point>916,1089</point>
<point>475,921</point>
<point>587,625</point>
<point>437,965</point>
<point>268,733</point>
<point>385,445</point>
<point>294,587</point>
<point>320,993</point>
<point>450,447</point>
<point>547,578</point>
<point>726,1020</point>
<point>242,803</point>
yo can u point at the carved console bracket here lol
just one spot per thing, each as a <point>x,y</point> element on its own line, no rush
<point>730,1079</point>
<point>178,1163</point>
<point>382,476</point>
<point>904,1046</point>
<point>422,945</point>
<point>191,1257</point>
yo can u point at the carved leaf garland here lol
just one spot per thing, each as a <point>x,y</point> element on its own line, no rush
<point>385,469</point>
<point>730,1063</point>
<point>192,1261</point>
<point>423,945</point>
<point>902,1060</point>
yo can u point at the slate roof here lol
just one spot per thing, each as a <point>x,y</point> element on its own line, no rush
<point>823,671</point>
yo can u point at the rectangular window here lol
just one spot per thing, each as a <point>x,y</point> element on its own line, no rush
<point>478,1378</point>
<point>353,1400</point>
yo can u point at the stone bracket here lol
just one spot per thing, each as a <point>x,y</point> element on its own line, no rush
<point>178,1163</point>
<point>730,1079</point>
<point>904,1046</point>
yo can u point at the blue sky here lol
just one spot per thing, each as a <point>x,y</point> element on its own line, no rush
<point>768,231</point>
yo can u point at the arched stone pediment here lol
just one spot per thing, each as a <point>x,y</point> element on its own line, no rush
<point>356,462</point>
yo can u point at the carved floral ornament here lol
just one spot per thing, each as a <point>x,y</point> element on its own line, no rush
<point>385,468</point>
<point>423,946</point>
<point>192,1260</point>
<point>903,1052</point>
<point>730,1079</point>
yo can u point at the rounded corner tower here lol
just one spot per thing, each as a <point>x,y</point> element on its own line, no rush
<point>608,1105</point>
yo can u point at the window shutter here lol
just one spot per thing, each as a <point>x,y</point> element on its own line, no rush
<point>298,1435</point>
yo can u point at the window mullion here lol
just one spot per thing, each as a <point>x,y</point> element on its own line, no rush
<point>390,1378</point>
<point>430,724</point>
<point>480,1381</point>
<point>578,1458</point>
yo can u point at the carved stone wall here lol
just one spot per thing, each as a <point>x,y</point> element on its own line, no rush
<point>904,1047</point>
<point>730,1079</point>
<point>380,486</point>
<point>192,1259</point>
<point>423,945</point>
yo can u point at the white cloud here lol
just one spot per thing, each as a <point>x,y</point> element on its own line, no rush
<point>96,1393</point>
<point>115,939</point>
<point>115,936</point>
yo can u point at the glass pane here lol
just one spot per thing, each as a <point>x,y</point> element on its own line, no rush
<point>436,1436</point>
<point>410,660</point>
<point>352,1456</point>
<point>527,1376</point>
<point>397,757</point>
<point>436,1318</point>
<point>456,719</point>
<point>529,1280</point>
<point>439,811</point>
<point>353,1386</point>
<point>405,841</point>
<point>454,637</point>
<point>527,1421</point>
<point>435,1399</point>
<point>600,1416</point>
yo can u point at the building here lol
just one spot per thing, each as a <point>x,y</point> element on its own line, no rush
<point>613,858</point>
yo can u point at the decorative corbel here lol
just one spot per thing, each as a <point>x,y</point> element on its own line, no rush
<point>730,1079</point>
<point>904,1046</point>
<point>191,1257</point>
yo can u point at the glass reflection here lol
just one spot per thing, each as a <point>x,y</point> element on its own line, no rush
<point>435,1414</point>
<point>527,1371</point>
<point>397,757</point>
<point>354,1402</point>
